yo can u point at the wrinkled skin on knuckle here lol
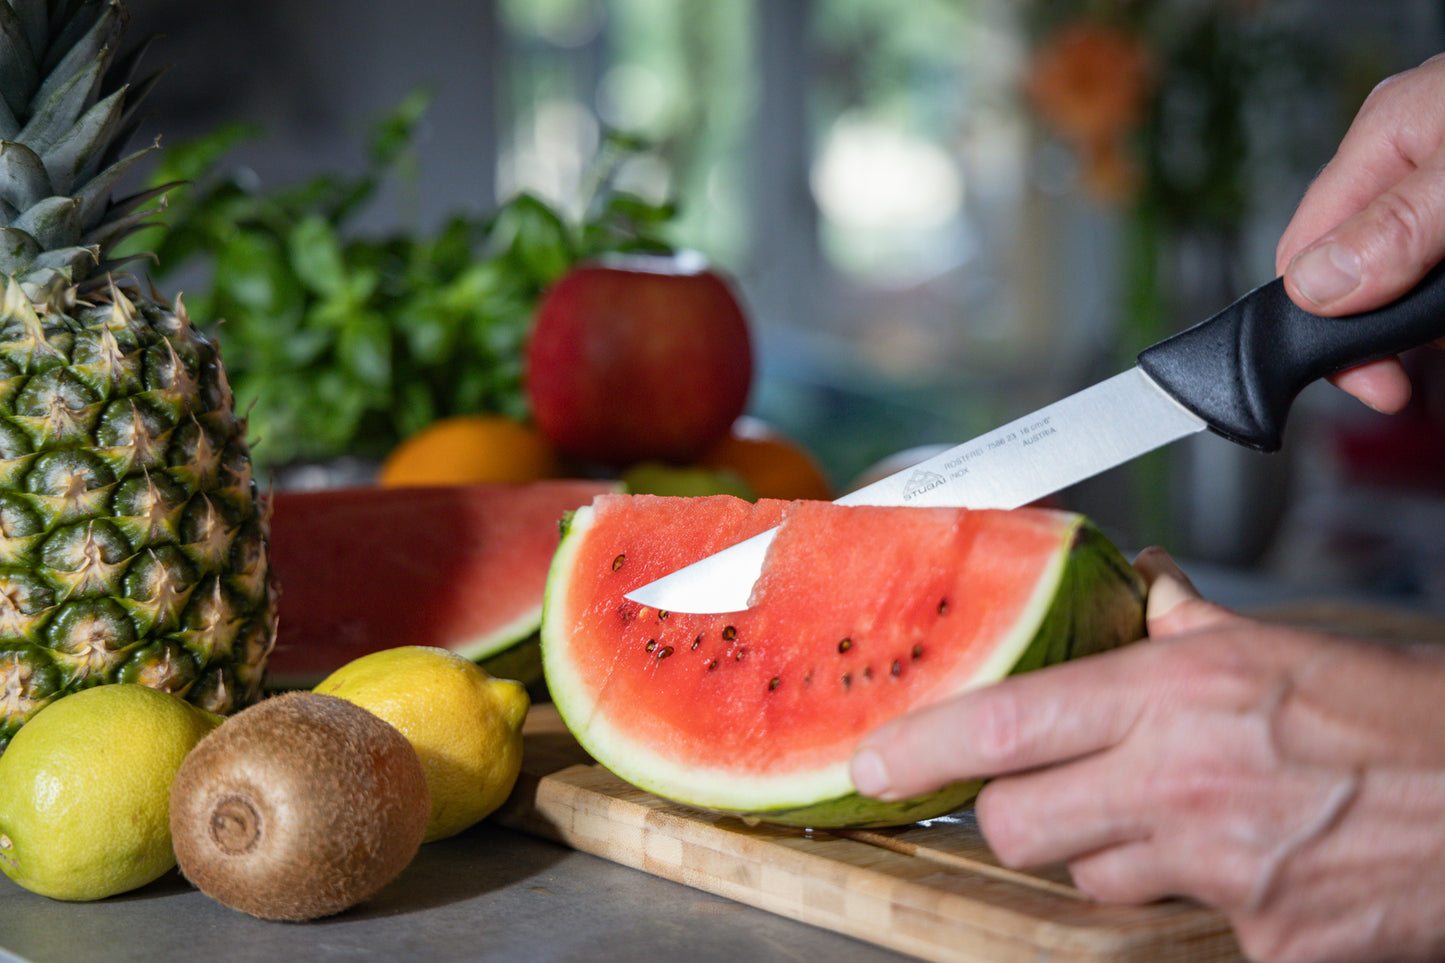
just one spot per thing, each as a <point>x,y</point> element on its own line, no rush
<point>1214,825</point>
<point>998,729</point>
<point>1398,222</point>
<point>1219,672</point>
<point>1254,807</point>
<point>1393,104</point>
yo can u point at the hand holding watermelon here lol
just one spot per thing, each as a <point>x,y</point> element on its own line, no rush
<point>861,613</point>
<point>1293,780</point>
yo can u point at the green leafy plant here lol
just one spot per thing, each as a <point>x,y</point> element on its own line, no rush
<point>341,344</point>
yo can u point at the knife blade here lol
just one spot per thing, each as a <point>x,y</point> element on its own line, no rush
<point>1237,373</point>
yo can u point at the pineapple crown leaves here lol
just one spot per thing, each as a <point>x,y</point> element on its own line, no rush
<point>67,106</point>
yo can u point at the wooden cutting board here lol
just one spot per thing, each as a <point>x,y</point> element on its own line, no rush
<point>933,890</point>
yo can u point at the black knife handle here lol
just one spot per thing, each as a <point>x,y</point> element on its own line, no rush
<point>1241,370</point>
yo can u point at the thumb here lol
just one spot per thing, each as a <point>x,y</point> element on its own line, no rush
<point>1378,253</point>
<point>1174,605</point>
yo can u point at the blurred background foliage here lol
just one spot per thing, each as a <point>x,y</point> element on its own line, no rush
<point>940,213</point>
<point>341,343</point>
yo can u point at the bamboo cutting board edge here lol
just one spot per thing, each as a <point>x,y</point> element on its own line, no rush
<point>934,908</point>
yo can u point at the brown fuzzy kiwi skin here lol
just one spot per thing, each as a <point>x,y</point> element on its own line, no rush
<point>298,807</point>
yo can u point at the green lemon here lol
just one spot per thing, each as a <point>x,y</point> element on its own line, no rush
<point>85,790</point>
<point>656,478</point>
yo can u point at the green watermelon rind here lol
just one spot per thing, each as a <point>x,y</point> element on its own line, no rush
<point>408,595</point>
<point>1110,614</point>
<point>501,640</point>
<point>521,662</point>
<point>1088,598</point>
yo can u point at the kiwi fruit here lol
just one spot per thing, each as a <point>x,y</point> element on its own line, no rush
<point>298,807</point>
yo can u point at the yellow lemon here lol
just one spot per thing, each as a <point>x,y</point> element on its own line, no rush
<point>470,449</point>
<point>465,725</point>
<point>85,790</point>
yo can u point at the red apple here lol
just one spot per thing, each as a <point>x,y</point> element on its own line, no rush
<point>638,359</point>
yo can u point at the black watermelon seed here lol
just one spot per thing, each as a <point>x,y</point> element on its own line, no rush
<point>740,654</point>
<point>918,651</point>
<point>845,645</point>
<point>867,672</point>
<point>847,679</point>
<point>661,614</point>
<point>897,668</point>
<point>712,665</point>
<point>943,606</point>
<point>696,642</point>
<point>651,644</point>
<point>774,683</point>
<point>617,562</point>
<point>664,652</point>
<point>729,633</point>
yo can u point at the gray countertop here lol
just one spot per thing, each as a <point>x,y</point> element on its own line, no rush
<point>487,894</point>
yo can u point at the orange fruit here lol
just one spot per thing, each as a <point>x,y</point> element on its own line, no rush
<point>772,464</point>
<point>470,449</point>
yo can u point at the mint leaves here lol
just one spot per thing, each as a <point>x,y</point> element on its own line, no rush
<point>342,344</point>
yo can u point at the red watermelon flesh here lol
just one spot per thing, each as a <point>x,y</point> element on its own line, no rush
<point>861,614</point>
<point>363,569</point>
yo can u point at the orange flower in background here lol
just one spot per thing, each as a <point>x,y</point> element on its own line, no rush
<point>1110,170</point>
<point>1092,83</point>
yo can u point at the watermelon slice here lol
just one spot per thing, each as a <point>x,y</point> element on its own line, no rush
<point>463,567</point>
<point>861,614</point>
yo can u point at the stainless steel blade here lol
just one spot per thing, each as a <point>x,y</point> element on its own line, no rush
<point>1072,439</point>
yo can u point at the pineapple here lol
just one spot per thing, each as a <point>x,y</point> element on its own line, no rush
<point>133,544</point>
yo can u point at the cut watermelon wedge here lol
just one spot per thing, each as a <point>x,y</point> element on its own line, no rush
<point>462,567</point>
<point>861,614</point>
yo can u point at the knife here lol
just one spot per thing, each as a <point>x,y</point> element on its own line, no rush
<point>1237,373</point>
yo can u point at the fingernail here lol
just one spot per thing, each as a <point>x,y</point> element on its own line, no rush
<point>1155,562</point>
<point>1166,593</point>
<point>1326,273</point>
<point>870,776</point>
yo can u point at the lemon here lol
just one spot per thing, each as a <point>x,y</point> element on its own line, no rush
<point>85,790</point>
<point>471,449</point>
<point>656,478</point>
<point>465,725</point>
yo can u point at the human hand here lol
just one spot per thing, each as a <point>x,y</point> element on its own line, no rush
<point>1373,222</point>
<point>1293,780</point>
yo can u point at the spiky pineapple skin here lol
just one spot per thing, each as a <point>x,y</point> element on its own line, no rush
<point>133,540</point>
